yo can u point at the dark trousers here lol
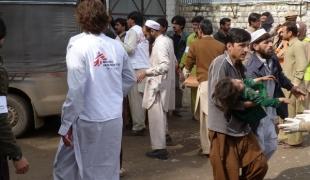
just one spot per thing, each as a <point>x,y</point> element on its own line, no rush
<point>178,92</point>
<point>4,169</point>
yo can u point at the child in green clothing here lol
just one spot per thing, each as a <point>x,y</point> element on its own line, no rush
<point>229,91</point>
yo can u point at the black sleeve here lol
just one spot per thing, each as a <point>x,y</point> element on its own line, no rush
<point>8,146</point>
<point>283,80</point>
<point>4,82</point>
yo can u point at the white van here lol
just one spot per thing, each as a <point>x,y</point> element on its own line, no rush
<point>34,56</point>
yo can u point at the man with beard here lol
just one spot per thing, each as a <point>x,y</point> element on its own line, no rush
<point>120,28</point>
<point>234,149</point>
<point>263,62</point>
<point>294,67</point>
<point>159,93</point>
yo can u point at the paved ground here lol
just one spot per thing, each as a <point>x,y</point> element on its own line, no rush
<point>184,163</point>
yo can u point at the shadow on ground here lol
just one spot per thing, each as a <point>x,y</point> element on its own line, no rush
<point>297,173</point>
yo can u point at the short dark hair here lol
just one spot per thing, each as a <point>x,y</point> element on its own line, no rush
<point>253,17</point>
<point>267,14</point>
<point>137,17</point>
<point>180,20</point>
<point>2,29</point>
<point>197,19</point>
<point>206,27</point>
<point>291,26</point>
<point>223,21</point>
<point>92,16</point>
<point>163,22</point>
<point>121,21</point>
<point>237,35</point>
<point>226,94</point>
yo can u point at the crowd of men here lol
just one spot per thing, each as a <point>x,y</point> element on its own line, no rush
<point>140,70</point>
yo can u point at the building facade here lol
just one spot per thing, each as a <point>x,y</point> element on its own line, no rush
<point>238,10</point>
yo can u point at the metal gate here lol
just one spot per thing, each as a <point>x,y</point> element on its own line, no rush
<point>149,8</point>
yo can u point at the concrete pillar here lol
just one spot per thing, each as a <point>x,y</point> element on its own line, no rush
<point>171,10</point>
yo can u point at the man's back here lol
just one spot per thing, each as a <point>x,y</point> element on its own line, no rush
<point>102,58</point>
<point>137,47</point>
<point>203,52</point>
<point>220,36</point>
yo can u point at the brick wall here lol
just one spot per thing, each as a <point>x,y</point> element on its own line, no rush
<point>239,12</point>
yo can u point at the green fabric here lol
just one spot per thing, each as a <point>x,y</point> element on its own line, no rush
<point>257,93</point>
<point>190,39</point>
<point>250,115</point>
<point>306,39</point>
<point>307,72</point>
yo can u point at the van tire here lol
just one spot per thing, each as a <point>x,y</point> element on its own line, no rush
<point>20,114</point>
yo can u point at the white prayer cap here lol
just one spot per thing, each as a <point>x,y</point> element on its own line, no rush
<point>152,24</point>
<point>257,34</point>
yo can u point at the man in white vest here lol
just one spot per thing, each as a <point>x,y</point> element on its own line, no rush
<point>137,48</point>
<point>159,92</point>
<point>99,75</point>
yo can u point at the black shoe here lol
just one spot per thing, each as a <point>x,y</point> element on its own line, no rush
<point>138,132</point>
<point>169,141</point>
<point>158,153</point>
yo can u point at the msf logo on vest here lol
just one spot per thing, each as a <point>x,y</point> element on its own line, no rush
<point>101,57</point>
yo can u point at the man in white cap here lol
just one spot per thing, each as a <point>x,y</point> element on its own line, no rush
<point>263,62</point>
<point>158,95</point>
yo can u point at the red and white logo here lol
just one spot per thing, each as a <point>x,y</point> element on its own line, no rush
<point>101,57</point>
